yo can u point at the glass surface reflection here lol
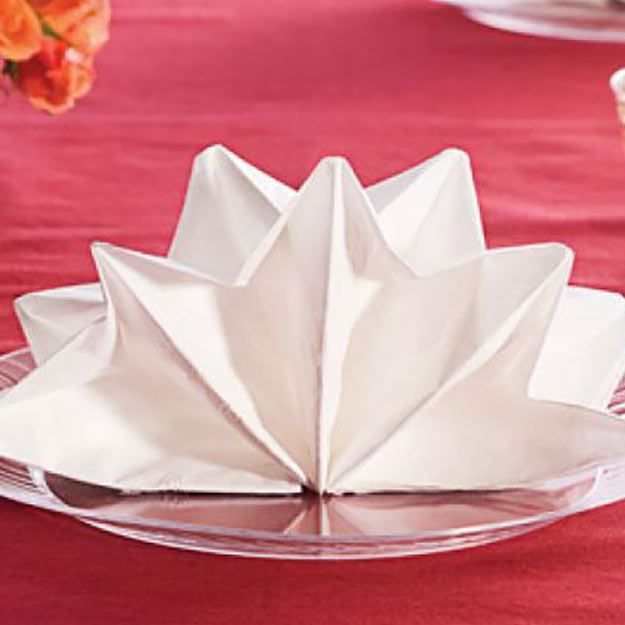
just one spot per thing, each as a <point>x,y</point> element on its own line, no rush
<point>309,514</point>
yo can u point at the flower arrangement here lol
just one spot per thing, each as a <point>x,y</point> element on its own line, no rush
<point>48,48</point>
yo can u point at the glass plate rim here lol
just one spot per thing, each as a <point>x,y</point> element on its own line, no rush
<point>43,498</point>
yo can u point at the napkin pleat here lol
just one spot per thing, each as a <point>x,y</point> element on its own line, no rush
<point>337,338</point>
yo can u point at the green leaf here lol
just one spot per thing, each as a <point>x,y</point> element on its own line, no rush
<point>11,69</point>
<point>48,31</point>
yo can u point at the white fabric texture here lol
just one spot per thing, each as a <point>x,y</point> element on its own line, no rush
<point>338,338</point>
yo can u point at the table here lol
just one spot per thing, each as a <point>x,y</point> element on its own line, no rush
<point>386,83</point>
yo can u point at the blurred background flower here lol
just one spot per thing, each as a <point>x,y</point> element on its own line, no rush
<point>48,48</point>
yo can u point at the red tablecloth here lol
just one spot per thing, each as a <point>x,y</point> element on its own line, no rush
<point>385,82</point>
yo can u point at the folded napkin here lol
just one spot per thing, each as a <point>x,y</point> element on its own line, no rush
<point>338,338</point>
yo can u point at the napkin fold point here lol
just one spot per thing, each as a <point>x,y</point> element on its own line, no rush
<point>337,338</point>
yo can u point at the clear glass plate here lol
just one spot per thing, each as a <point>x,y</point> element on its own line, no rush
<point>566,20</point>
<point>308,526</point>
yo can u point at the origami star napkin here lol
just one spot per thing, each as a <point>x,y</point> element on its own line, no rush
<point>336,338</point>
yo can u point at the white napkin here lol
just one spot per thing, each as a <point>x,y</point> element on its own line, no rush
<point>338,338</point>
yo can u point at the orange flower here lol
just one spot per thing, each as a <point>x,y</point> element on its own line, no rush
<point>82,23</point>
<point>55,77</point>
<point>20,31</point>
